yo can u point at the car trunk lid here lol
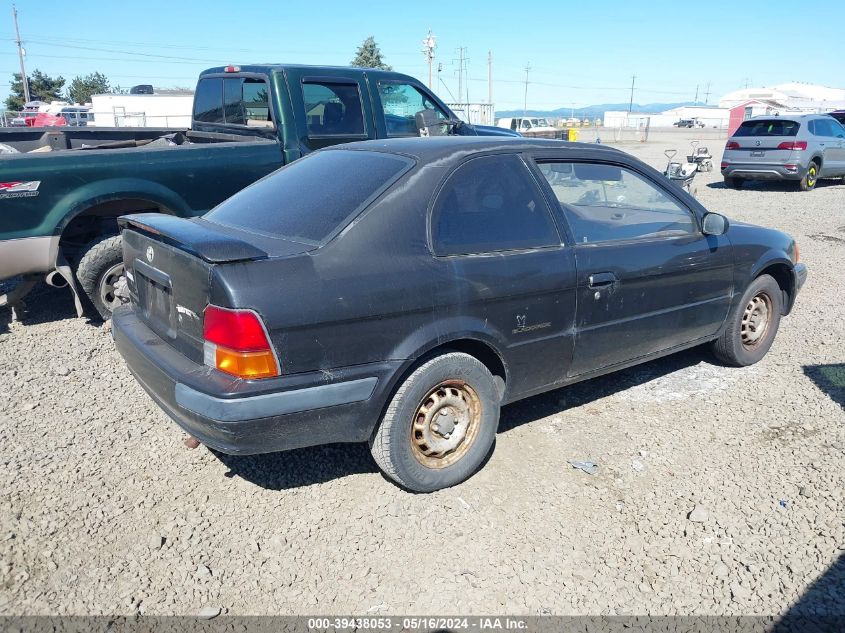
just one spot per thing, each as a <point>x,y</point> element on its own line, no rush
<point>169,263</point>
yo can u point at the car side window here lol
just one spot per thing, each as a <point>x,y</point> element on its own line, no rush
<point>837,129</point>
<point>606,203</point>
<point>400,104</point>
<point>333,109</point>
<point>491,204</point>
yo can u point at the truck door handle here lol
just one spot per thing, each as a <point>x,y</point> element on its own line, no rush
<point>602,279</point>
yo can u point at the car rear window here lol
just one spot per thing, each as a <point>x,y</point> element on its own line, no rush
<point>768,127</point>
<point>312,198</point>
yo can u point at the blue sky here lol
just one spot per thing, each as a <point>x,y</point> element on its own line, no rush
<point>581,53</point>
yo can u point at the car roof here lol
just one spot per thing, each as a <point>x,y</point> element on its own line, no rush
<point>441,147</point>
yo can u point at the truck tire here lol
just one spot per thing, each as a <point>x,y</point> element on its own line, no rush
<point>440,425</point>
<point>99,267</point>
<point>752,324</point>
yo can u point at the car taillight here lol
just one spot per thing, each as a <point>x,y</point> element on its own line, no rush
<point>732,145</point>
<point>724,165</point>
<point>236,343</point>
<point>796,145</point>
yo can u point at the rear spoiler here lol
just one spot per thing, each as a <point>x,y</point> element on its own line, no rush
<point>214,246</point>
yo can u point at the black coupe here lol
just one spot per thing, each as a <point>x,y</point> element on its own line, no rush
<point>400,292</point>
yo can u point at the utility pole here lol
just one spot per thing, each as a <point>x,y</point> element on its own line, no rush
<point>707,94</point>
<point>429,44</point>
<point>696,94</point>
<point>489,76</point>
<point>21,54</point>
<point>525,103</point>
<point>631,101</point>
<point>461,62</point>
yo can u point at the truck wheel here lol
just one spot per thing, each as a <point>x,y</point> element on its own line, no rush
<point>752,324</point>
<point>808,182</point>
<point>100,267</point>
<point>440,425</point>
<point>734,183</point>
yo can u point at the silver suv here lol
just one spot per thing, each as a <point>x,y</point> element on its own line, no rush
<point>801,148</point>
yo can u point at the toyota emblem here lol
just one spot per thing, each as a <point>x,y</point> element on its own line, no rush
<point>150,254</point>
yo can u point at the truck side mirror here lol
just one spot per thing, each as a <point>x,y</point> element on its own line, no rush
<point>429,123</point>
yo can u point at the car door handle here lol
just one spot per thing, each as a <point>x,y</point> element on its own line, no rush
<point>602,279</point>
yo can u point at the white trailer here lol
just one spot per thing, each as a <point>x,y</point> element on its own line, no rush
<point>155,110</point>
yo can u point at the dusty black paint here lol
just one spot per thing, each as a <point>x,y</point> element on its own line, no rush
<point>374,299</point>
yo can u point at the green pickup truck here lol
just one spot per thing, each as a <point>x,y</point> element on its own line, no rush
<point>62,189</point>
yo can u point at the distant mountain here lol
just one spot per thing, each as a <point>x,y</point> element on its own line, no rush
<point>595,111</point>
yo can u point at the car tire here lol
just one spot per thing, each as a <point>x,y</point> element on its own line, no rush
<point>99,267</point>
<point>734,183</point>
<point>407,445</point>
<point>743,343</point>
<point>808,182</point>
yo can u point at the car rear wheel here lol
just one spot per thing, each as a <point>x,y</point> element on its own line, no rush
<point>440,425</point>
<point>734,183</point>
<point>808,182</point>
<point>99,270</point>
<point>752,324</point>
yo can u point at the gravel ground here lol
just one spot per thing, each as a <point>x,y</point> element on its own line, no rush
<point>718,491</point>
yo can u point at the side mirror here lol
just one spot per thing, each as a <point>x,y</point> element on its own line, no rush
<point>715,224</point>
<point>429,123</point>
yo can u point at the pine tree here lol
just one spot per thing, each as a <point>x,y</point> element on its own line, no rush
<point>41,88</point>
<point>369,56</point>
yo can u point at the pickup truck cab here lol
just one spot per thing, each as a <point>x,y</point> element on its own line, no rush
<point>63,192</point>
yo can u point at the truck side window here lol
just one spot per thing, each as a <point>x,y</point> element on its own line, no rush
<point>400,102</point>
<point>208,101</point>
<point>491,204</point>
<point>245,102</point>
<point>333,109</point>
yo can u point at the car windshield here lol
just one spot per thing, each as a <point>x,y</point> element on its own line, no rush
<point>312,198</point>
<point>768,127</point>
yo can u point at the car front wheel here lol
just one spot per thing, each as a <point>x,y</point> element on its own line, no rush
<point>752,324</point>
<point>440,425</point>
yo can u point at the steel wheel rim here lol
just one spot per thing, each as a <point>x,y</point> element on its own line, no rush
<point>107,284</point>
<point>445,424</point>
<point>755,320</point>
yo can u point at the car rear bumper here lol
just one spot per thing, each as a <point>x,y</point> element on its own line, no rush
<point>243,417</point>
<point>763,171</point>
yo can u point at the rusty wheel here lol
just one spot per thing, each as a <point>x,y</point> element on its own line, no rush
<point>440,424</point>
<point>445,424</point>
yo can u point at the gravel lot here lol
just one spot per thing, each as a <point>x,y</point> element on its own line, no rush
<point>103,510</point>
